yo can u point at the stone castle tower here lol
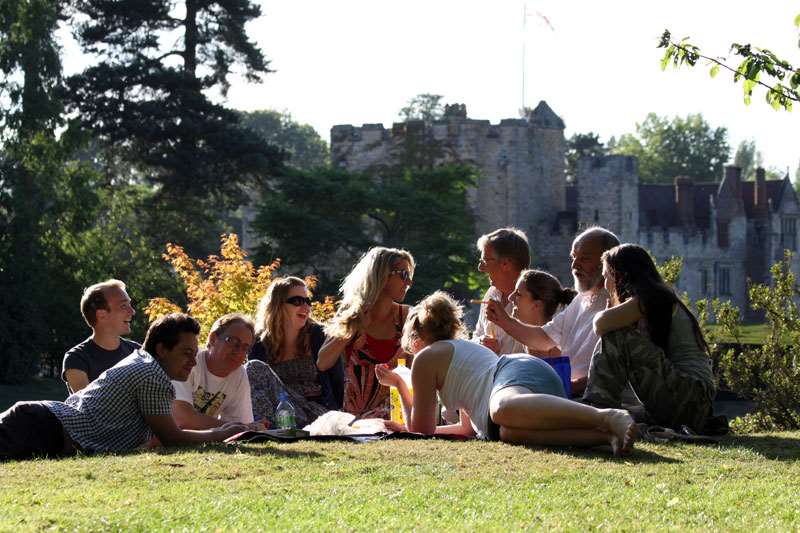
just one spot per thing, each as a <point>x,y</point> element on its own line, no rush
<point>520,163</point>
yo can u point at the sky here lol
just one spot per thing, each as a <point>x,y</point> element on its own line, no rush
<point>596,64</point>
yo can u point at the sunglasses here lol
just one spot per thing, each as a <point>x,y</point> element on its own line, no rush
<point>297,301</point>
<point>405,275</point>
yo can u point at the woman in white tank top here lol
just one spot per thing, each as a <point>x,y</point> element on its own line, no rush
<point>516,398</point>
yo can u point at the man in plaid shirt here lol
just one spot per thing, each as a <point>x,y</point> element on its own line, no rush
<point>120,410</point>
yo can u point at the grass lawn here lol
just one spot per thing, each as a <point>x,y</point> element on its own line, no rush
<point>36,389</point>
<point>746,483</point>
<point>751,334</point>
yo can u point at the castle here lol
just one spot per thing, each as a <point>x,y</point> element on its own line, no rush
<point>726,232</point>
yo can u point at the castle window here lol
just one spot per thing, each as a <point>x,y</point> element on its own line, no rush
<point>724,281</point>
<point>789,233</point>
<point>723,239</point>
<point>704,282</point>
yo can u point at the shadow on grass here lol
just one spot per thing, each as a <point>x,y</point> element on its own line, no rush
<point>261,450</point>
<point>769,446</point>
<point>638,455</point>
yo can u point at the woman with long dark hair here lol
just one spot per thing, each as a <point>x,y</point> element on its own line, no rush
<point>650,339</point>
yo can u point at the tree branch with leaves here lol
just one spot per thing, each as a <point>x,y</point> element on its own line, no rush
<point>759,67</point>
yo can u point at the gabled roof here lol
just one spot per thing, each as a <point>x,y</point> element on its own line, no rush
<point>544,117</point>
<point>657,207</point>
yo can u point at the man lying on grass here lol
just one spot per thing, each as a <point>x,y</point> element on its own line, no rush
<point>120,410</point>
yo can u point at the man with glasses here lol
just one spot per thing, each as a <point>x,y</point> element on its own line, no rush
<point>504,255</point>
<point>217,389</point>
<point>107,309</point>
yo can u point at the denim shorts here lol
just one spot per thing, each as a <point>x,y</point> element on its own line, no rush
<point>518,370</point>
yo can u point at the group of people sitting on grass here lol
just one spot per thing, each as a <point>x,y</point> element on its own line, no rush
<point>626,334</point>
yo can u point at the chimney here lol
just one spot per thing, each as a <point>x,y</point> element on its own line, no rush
<point>684,200</point>
<point>760,206</point>
<point>733,175</point>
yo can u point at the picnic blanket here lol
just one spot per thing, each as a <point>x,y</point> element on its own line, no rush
<point>336,426</point>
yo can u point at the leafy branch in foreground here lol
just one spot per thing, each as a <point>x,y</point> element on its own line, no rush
<point>782,79</point>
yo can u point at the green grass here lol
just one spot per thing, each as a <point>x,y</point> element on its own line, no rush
<point>36,389</point>
<point>751,334</point>
<point>745,483</point>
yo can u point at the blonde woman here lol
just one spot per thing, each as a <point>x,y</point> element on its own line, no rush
<point>367,327</point>
<point>284,355</point>
<point>515,398</point>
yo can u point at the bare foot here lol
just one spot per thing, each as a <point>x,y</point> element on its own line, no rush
<point>622,429</point>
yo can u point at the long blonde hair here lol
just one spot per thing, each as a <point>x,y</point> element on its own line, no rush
<point>362,287</point>
<point>270,319</point>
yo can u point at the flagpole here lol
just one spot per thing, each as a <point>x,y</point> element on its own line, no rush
<point>524,17</point>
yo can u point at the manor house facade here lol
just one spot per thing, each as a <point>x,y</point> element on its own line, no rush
<point>726,232</point>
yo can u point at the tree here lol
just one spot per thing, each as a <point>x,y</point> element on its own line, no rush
<point>797,179</point>
<point>324,220</point>
<point>748,158</point>
<point>303,145</point>
<point>580,145</point>
<point>757,64</point>
<point>30,171</point>
<point>227,283</point>
<point>425,106</point>
<point>677,147</point>
<point>147,95</point>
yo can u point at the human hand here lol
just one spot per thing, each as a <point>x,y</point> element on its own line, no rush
<point>496,313</point>
<point>490,342</point>
<point>393,426</point>
<point>386,376</point>
<point>259,425</point>
<point>229,429</point>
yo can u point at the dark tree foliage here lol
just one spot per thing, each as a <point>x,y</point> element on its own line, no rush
<point>325,220</point>
<point>667,148</point>
<point>147,93</point>
<point>580,145</point>
<point>30,170</point>
<point>304,147</point>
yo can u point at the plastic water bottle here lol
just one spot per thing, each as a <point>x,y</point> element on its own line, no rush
<point>394,395</point>
<point>284,414</point>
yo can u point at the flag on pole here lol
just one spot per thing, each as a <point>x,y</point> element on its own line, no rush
<point>541,16</point>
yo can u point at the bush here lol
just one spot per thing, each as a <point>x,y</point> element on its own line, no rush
<point>227,283</point>
<point>770,373</point>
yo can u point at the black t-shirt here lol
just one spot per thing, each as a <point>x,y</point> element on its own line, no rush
<point>94,360</point>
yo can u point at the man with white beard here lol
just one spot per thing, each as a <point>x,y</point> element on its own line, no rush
<point>571,329</point>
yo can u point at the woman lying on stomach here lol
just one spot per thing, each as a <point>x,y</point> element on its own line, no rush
<point>514,398</point>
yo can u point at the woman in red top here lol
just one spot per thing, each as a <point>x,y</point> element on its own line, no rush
<point>367,327</point>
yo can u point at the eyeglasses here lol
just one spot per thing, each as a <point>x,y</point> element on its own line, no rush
<point>297,301</point>
<point>405,275</point>
<point>236,343</point>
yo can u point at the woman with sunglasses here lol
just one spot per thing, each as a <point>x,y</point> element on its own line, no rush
<point>367,327</point>
<point>285,356</point>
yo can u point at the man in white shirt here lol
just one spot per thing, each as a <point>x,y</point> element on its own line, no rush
<point>504,255</point>
<point>571,329</point>
<point>217,390</point>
